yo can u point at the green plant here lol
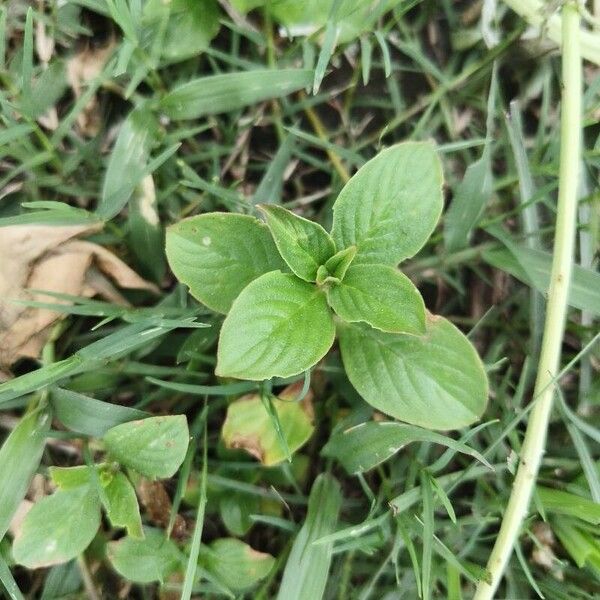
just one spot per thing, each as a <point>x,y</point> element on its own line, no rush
<point>288,287</point>
<point>60,527</point>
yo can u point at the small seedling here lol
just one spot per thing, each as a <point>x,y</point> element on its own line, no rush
<point>60,527</point>
<point>288,287</point>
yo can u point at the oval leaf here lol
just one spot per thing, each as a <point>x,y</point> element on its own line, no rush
<point>364,446</point>
<point>232,91</point>
<point>58,528</point>
<point>153,558</point>
<point>278,327</point>
<point>154,447</point>
<point>391,205</point>
<point>235,564</point>
<point>190,26</point>
<point>303,244</point>
<point>380,296</point>
<point>218,254</point>
<point>121,505</point>
<point>248,425</point>
<point>436,381</point>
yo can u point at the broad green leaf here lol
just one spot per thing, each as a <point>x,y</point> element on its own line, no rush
<point>235,564</point>
<point>307,567</point>
<point>191,25</point>
<point>380,296</point>
<point>232,91</point>
<point>153,558</point>
<point>154,447</point>
<point>121,505</point>
<point>435,381</point>
<point>90,416</point>
<point>565,503</point>
<point>128,161</point>
<point>391,205</point>
<point>279,326</point>
<point>303,244</point>
<point>58,528</point>
<point>352,17</point>
<point>68,478</point>
<point>218,254</point>
<point>364,446</point>
<point>249,426</point>
<point>20,456</point>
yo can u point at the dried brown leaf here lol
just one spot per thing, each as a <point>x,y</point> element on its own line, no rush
<point>38,257</point>
<point>82,67</point>
<point>157,503</point>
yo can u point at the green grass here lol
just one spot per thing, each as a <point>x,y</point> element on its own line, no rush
<point>274,119</point>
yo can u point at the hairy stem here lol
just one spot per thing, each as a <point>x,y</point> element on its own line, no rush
<point>566,222</point>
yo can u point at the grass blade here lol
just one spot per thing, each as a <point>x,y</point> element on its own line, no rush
<point>89,416</point>
<point>307,567</point>
<point>19,458</point>
<point>232,91</point>
<point>428,529</point>
<point>475,189</point>
<point>8,581</point>
<point>127,164</point>
<point>192,564</point>
<point>533,268</point>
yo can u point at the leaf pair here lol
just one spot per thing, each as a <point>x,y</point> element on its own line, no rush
<point>282,286</point>
<point>61,526</point>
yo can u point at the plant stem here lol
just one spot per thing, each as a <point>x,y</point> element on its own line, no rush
<point>562,260</point>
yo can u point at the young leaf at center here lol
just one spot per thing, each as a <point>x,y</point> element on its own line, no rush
<point>380,296</point>
<point>435,381</point>
<point>334,270</point>
<point>303,244</point>
<point>279,326</point>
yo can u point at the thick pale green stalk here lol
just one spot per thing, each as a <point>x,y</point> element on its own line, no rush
<point>566,222</point>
